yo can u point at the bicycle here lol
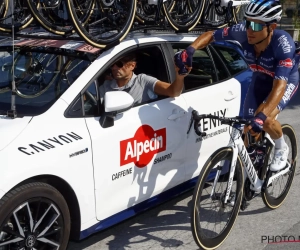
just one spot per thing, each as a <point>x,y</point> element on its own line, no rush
<point>14,9</point>
<point>109,23</point>
<point>112,20</point>
<point>52,15</point>
<point>223,187</point>
<point>34,72</point>
<point>219,13</point>
<point>181,15</point>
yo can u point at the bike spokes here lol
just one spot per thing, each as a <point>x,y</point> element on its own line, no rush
<point>35,73</point>
<point>217,16</point>
<point>278,189</point>
<point>109,22</point>
<point>18,10</point>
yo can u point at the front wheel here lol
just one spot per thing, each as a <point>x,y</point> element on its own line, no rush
<point>183,15</point>
<point>212,218</point>
<point>34,216</point>
<point>275,193</point>
<point>108,24</point>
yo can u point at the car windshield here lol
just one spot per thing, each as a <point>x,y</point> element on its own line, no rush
<point>40,78</point>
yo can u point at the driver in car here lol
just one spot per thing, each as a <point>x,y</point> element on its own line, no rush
<point>141,87</point>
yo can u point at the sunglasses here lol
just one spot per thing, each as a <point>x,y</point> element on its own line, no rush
<point>119,64</point>
<point>254,26</point>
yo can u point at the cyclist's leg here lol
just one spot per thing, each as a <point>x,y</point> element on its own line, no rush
<point>273,128</point>
<point>256,95</point>
<point>271,125</point>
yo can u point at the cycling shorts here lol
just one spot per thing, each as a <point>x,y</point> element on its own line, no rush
<point>260,88</point>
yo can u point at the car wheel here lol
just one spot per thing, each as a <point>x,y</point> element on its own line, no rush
<point>34,216</point>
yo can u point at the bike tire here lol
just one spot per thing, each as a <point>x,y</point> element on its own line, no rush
<point>56,25</point>
<point>146,13</point>
<point>115,37</point>
<point>55,75</point>
<point>185,25</point>
<point>269,200</point>
<point>205,177</point>
<point>22,12</point>
<point>63,82</point>
<point>3,8</point>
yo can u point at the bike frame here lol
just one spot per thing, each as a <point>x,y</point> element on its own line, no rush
<point>238,147</point>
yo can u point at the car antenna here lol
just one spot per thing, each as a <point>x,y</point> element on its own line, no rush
<point>13,112</point>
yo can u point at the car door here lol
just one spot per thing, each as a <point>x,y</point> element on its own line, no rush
<point>210,90</point>
<point>140,156</point>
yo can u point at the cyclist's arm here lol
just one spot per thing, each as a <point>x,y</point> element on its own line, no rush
<point>284,54</point>
<point>203,40</point>
<point>171,90</point>
<point>236,32</point>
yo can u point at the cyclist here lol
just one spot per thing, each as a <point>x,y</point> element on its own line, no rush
<point>272,58</point>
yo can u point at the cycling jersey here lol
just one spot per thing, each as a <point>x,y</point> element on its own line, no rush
<point>277,61</point>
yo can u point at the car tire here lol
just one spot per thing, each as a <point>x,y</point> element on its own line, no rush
<point>34,216</point>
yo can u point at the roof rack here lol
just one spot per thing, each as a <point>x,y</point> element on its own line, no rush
<point>37,32</point>
<point>68,47</point>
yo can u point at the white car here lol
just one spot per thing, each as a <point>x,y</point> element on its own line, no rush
<point>69,169</point>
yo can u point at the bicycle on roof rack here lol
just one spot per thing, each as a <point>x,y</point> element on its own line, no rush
<point>53,16</point>
<point>180,15</point>
<point>219,13</point>
<point>108,24</point>
<point>222,189</point>
<point>105,23</point>
<point>17,10</point>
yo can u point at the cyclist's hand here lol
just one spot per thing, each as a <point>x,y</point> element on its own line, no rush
<point>178,75</point>
<point>257,123</point>
<point>183,60</point>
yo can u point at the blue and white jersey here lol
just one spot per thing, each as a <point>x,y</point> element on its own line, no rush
<point>278,60</point>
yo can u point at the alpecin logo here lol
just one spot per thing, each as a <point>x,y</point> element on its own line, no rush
<point>141,148</point>
<point>225,31</point>
<point>184,56</point>
<point>286,63</point>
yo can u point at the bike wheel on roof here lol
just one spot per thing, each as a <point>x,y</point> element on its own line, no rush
<point>108,24</point>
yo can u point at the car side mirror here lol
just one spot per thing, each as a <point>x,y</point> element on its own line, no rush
<point>115,102</point>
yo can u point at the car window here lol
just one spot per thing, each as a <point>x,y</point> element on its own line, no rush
<point>232,58</point>
<point>90,100</point>
<point>40,77</point>
<point>203,71</point>
<point>221,70</point>
<point>86,103</point>
<point>149,61</point>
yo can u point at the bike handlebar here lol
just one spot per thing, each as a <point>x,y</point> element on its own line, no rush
<point>224,120</point>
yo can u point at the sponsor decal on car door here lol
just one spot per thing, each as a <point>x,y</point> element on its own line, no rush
<point>140,156</point>
<point>221,99</point>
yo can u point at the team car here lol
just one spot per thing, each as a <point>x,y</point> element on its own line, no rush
<point>72,165</point>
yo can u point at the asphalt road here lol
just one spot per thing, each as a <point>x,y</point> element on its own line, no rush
<point>168,226</point>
